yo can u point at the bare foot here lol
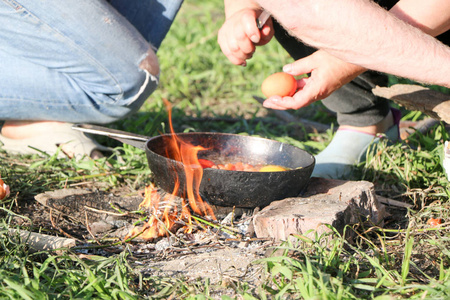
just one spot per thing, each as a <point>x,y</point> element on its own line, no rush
<point>27,129</point>
<point>380,127</point>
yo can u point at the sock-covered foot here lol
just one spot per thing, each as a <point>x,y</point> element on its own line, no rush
<point>348,148</point>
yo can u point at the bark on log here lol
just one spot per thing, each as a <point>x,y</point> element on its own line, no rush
<point>418,98</point>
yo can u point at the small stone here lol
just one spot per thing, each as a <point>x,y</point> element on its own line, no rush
<point>100,227</point>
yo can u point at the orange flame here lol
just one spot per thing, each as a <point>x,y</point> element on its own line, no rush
<point>164,214</point>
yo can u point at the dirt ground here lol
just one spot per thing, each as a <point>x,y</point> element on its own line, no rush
<point>90,218</point>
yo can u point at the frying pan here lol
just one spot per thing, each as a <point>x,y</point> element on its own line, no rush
<point>224,187</point>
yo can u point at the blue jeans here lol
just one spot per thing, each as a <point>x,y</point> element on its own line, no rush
<point>78,60</point>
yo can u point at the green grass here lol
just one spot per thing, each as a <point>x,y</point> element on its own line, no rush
<point>404,259</point>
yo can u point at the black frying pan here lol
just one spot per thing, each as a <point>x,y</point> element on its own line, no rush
<point>223,187</point>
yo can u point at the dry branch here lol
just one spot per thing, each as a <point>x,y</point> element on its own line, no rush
<point>391,202</point>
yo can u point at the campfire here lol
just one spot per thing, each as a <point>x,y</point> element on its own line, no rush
<point>165,216</point>
<point>227,170</point>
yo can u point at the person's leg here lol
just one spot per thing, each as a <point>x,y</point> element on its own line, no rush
<point>360,114</point>
<point>75,61</point>
<point>62,63</point>
<point>151,18</point>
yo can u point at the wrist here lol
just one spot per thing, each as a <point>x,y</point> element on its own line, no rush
<point>233,6</point>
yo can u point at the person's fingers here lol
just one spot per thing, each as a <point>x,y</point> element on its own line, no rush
<point>302,98</point>
<point>230,55</point>
<point>302,82</point>
<point>279,103</point>
<point>239,35</point>
<point>250,28</point>
<point>230,49</point>
<point>309,93</point>
<point>284,103</point>
<point>267,33</point>
<point>244,44</point>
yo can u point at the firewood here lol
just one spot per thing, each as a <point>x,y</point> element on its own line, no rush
<point>325,201</point>
<point>418,98</point>
<point>43,242</point>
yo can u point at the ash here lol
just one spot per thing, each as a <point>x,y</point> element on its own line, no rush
<point>224,254</point>
<point>203,255</point>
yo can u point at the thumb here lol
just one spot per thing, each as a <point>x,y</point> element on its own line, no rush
<point>250,28</point>
<point>299,67</point>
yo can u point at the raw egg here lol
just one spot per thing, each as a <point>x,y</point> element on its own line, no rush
<point>272,168</point>
<point>279,84</point>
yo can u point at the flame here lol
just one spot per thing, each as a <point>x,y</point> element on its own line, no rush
<point>164,217</point>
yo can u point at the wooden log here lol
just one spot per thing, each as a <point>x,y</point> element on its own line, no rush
<point>414,97</point>
<point>43,242</point>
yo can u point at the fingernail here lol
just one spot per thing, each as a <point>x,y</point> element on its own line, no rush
<point>254,39</point>
<point>287,68</point>
<point>244,64</point>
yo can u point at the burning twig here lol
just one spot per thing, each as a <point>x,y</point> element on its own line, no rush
<point>163,215</point>
<point>226,229</point>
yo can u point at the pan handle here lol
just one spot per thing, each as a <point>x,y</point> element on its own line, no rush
<point>132,139</point>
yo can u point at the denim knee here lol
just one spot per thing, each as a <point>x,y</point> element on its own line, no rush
<point>134,93</point>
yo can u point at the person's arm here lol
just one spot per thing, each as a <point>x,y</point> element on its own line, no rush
<point>233,6</point>
<point>432,17</point>
<point>239,34</point>
<point>329,73</point>
<point>362,33</point>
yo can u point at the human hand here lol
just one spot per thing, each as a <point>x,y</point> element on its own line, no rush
<point>239,35</point>
<point>327,74</point>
